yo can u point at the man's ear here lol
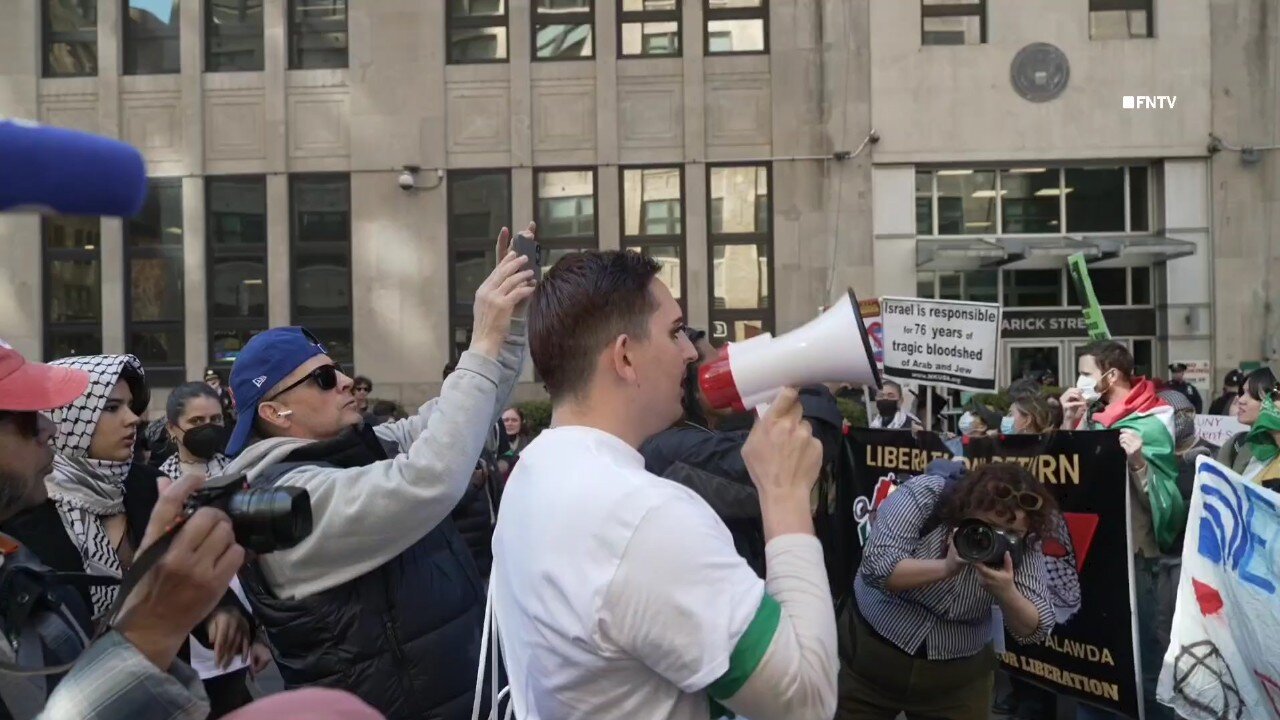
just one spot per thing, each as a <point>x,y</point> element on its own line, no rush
<point>620,361</point>
<point>273,415</point>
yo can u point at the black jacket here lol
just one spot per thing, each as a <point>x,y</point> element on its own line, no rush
<point>404,637</point>
<point>1190,391</point>
<point>723,475</point>
<point>1222,404</point>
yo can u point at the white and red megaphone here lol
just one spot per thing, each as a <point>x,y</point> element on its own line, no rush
<point>832,347</point>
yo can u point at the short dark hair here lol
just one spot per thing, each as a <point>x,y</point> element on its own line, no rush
<point>891,384</point>
<point>361,380</point>
<point>582,304</point>
<point>177,402</point>
<point>1260,383</point>
<point>1110,355</point>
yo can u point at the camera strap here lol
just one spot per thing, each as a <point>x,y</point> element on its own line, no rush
<point>20,614</point>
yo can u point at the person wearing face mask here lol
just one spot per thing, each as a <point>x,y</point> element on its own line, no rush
<point>979,421</point>
<point>1032,415</point>
<point>1108,396</point>
<point>194,420</point>
<point>890,413</point>
<point>193,414</point>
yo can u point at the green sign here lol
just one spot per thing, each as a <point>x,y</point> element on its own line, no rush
<point>1093,320</point>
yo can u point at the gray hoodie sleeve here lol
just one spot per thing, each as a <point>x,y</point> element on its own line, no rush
<point>405,432</point>
<point>365,516</point>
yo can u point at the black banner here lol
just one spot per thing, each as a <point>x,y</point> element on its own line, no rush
<point>1090,654</point>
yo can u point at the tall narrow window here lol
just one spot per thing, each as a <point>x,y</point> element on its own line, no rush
<point>565,210</point>
<point>741,238</point>
<point>70,29</point>
<point>233,35</point>
<point>151,39</point>
<point>953,22</point>
<point>736,26</point>
<point>479,207</point>
<point>563,29</point>
<point>317,34</point>
<point>72,286</point>
<point>653,220</point>
<point>154,325</point>
<point>320,230</point>
<point>648,27</point>
<point>236,263</point>
<point>477,31</point>
<point>1121,19</point>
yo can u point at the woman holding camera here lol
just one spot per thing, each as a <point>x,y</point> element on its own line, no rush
<point>918,636</point>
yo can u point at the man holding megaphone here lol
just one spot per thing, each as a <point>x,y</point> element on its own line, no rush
<point>619,594</point>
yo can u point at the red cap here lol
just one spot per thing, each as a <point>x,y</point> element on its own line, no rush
<point>28,386</point>
<point>716,380</point>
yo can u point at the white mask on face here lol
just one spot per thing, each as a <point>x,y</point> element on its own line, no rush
<point>966,423</point>
<point>1088,387</point>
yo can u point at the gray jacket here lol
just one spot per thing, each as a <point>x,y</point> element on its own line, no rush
<point>365,516</point>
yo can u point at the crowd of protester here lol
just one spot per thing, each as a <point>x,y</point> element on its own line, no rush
<point>381,608</point>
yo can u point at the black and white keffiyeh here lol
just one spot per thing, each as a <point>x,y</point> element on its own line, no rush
<point>85,490</point>
<point>173,467</point>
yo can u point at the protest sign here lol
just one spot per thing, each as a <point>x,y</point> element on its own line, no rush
<point>1090,654</point>
<point>941,342</point>
<point>1217,430</point>
<point>1223,660</point>
<point>1096,323</point>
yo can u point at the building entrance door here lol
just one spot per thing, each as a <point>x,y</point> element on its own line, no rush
<point>1029,359</point>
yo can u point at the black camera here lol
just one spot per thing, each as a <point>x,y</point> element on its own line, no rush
<point>265,520</point>
<point>979,542</point>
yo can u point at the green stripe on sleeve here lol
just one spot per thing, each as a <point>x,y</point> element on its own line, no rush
<point>749,650</point>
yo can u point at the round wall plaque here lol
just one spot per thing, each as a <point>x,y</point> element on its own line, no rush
<point>1040,72</point>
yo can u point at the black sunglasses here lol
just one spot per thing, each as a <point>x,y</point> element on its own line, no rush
<point>325,377</point>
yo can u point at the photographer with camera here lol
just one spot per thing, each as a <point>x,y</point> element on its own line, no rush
<point>918,636</point>
<point>383,598</point>
<point>131,671</point>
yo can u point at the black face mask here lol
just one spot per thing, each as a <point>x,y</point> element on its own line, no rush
<point>206,441</point>
<point>887,408</point>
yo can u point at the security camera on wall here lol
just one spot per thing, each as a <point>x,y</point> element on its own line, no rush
<point>408,179</point>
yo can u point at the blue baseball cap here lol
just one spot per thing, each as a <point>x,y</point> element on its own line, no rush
<point>266,359</point>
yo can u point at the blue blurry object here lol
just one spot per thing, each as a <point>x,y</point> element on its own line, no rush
<point>69,172</point>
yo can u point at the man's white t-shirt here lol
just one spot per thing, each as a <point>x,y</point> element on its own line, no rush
<point>617,593</point>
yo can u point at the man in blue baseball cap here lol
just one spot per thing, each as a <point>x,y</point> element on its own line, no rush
<point>383,598</point>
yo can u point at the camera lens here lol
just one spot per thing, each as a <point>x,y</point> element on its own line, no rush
<point>976,541</point>
<point>270,519</point>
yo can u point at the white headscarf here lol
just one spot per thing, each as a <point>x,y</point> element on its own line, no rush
<point>86,490</point>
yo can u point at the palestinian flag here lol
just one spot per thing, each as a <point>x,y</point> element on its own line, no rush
<point>1152,418</point>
